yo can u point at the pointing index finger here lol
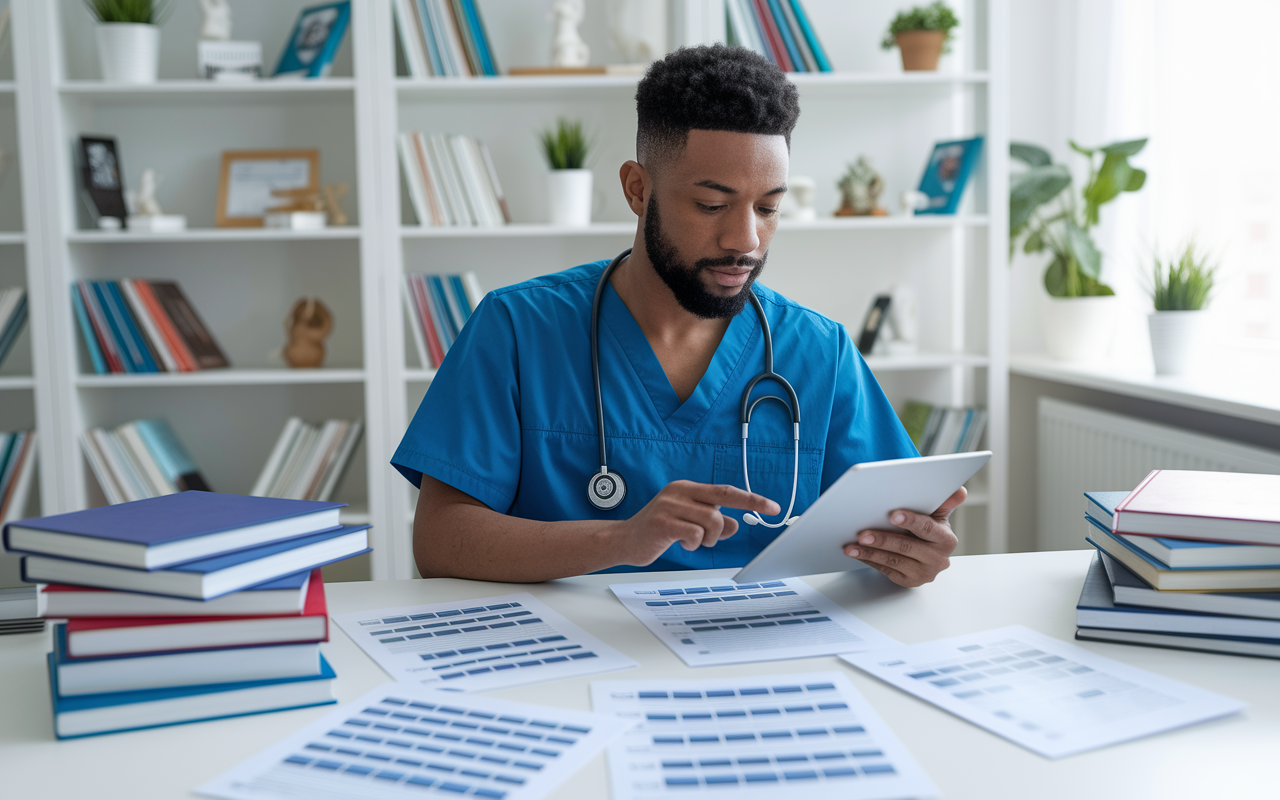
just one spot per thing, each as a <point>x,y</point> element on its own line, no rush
<point>725,495</point>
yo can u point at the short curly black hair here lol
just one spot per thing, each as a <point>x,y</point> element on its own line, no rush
<point>710,87</point>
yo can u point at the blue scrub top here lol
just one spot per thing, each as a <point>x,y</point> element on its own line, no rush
<point>510,416</point>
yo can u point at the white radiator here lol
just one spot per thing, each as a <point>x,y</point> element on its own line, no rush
<point>1082,449</point>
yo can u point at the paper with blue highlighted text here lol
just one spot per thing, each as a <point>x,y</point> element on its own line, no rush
<point>808,735</point>
<point>401,740</point>
<point>708,622</point>
<point>479,644</point>
<point>1051,697</point>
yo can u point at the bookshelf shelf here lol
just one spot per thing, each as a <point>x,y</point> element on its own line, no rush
<point>206,92</point>
<point>925,361</point>
<point>221,377</point>
<point>212,235</point>
<point>527,230</point>
<point>16,382</point>
<point>13,237</point>
<point>419,375</point>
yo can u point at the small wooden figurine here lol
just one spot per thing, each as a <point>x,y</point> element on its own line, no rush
<point>333,193</point>
<point>308,324</point>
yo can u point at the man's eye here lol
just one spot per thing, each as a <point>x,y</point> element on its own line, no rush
<point>767,212</point>
<point>706,207</point>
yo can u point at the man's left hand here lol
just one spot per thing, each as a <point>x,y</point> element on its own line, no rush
<point>915,558</point>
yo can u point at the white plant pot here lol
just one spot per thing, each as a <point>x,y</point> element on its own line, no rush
<point>128,52</point>
<point>1080,328</point>
<point>1177,340</point>
<point>569,197</point>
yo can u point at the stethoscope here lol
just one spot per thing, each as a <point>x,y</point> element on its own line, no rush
<point>607,489</point>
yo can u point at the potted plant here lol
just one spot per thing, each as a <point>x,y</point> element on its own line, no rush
<point>1179,291</point>
<point>922,35</point>
<point>128,35</point>
<point>569,182</point>
<point>1045,214</point>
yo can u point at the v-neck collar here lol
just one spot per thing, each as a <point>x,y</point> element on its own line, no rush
<point>680,419</point>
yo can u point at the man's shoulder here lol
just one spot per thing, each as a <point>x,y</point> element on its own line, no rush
<point>571,286</point>
<point>796,315</point>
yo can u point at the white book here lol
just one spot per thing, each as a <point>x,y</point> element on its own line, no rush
<point>443,158</point>
<point>440,22</point>
<point>145,460</point>
<point>315,454</point>
<point>330,451</point>
<point>415,325</point>
<point>474,293</point>
<point>411,43</point>
<point>101,470</point>
<point>22,483</point>
<point>158,671</point>
<point>413,178</point>
<point>276,459</point>
<point>453,44</point>
<point>744,25</point>
<point>338,466</point>
<point>297,454</point>
<point>471,184</point>
<point>488,190</point>
<point>148,324</point>
<point>494,183</point>
<point>453,215</point>
<point>118,462</point>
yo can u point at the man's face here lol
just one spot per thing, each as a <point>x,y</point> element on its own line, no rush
<point>719,210</point>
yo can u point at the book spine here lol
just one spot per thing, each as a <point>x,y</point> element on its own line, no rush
<point>132,328</point>
<point>467,36</point>
<point>101,469</point>
<point>298,457</point>
<point>488,192</point>
<point>771,47</point>
<point>330,457</point>
<point>118,459</point>
<point>413,178</point>
<point>202,345</point>
<point>426,318</point>
<point>102,329</point>
<point>340,463</point>
<point>436,201</point>
<point>9,458</point>
<point>18,494</point>
<point>181,353</point>
<point>494,183</point>
<point>457,53</point>
<point>456,313</point>
<point>784,33</point>
<point>453,180</point>
<point>747,28</point>
<point>307,475</point>
<point>438,178</point>
<point>276,458</point>
<point>482,38</point>
<point>406,26</point>
<point>819,55</point>
<point>154,478</point>
<point>440,306</point>
<point>148,326</point>
<point>474,293</point>
<point>471,185</point>
<point>443,45</point>
<point>17,318</point>
<point>415,326</point>
<point>127,348</point>
<point>429,38</point>
<point>460,296</point>
<point>86,330</point>
<point>167,449</point>
<point>797,35</point>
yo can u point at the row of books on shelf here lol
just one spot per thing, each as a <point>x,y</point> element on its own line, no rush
<point>452,181</point>
<point>779,30</point>
<point>1188,560</point>
<point>308,461</point>
<point>184,608</point>
<point>133,325</point>
<point>13,315</point>
<point>438,306</point>
<point>17,472</point>
<point>939,430</point>
<point>444,38</point>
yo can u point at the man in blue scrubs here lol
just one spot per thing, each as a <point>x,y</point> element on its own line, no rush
<point>504,444</point>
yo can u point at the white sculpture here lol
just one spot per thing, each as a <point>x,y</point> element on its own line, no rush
<point>904,321</point>
<point>216,26</point>
<point>797,203</point>
<point>567,48</point>
<point>144,200</point>
<point>638,29</point>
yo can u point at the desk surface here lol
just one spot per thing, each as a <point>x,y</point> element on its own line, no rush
<point>1224,758</point>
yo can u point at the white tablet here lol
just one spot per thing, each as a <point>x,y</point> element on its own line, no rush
<point>862,498</point>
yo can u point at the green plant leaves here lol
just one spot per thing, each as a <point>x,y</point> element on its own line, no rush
<point>565,146</point>
<point>1126,149</point>
<point>1113,177</point>
<point>1083,251</point>
<point>1031,189</point>
<point>1030,154</point>
<point>1063,278</point>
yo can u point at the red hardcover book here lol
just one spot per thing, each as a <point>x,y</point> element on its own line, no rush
<point>423,304</point>
<point>88,637</point>
<point>181,353</point>
<point>769,27</point>
<point>1213,506</point>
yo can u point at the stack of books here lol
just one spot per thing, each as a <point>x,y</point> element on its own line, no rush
<point>308,461</point>
<point>1187,560</point>
<point>938,430</point>
<point>142,326</point>
<point>13,315</point>
<point>452,181</point>
<point>184,608</point>
<point>445,38</point>
<point>779,30</point>
<point>17,470</point>
<point>140,459</point>
<point>438,306</point>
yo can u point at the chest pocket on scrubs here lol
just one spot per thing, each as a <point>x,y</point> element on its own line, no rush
<point>771,469</point>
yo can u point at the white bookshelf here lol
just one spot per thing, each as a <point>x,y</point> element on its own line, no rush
<point>243,281</point>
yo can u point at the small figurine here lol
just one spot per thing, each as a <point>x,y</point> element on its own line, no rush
<point>308,324</point>
<point>332,204</point>
<point>797,204</point>
<point>144,200</point>
<point>216,26</point>
<point>567,48</point>
<point>860,190</point>
<point>904,321</point>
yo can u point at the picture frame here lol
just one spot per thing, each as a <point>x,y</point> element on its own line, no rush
<point>101,178</point>
<point>314,41</point>
<point>947,174</point>
<point>248,177</point>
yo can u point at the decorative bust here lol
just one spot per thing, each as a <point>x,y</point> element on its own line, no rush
<point>216,26</point>
<point>308,325</point>
<point>144,200</point>
<point>567,48</point>
<point>860,190</point>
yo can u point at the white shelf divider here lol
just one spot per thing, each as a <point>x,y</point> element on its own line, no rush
<point>221,377</point>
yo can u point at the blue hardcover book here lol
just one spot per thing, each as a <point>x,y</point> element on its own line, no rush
<point>173,529</point>
<point>460,294</point>
<point>92,714</point>
<point>819,55</point>
<point>314,41</point>
<point>209,577</point>
<point>788,41</point>
<point>481,37</point>
<point>86,329</point>
<point>947,174</point>
<point>1102,505</point>
<point>132,328</point>
<point>440,305</point>
<point>129,354</point>
<point>17,319</point>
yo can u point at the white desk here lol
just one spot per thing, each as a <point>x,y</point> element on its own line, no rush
<point>1226,758</point>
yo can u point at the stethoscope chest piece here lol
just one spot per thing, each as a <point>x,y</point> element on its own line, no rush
<point>606,490</point>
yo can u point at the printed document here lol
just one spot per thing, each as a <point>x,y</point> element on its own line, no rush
<point>1047,695</point>
<point>400,740</point>
<point>720,622</point>
<point>476,645</point>
<point>808,735</point>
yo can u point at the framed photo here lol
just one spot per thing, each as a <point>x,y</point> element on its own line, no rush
<point>947,173</point>
<point>249,177</point>
<point>100,177</point>
<point>314,41</point>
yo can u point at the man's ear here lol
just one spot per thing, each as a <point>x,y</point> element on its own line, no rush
<point>636,186</point>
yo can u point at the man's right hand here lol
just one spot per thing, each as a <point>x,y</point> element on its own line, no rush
<point>688,513</point>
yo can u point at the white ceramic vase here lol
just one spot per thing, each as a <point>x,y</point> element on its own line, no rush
<point>128,52</point>
<point>1177,340</point>
<point>569,197</point>
<point>1080,328</point>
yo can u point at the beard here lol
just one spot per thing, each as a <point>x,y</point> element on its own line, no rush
<point>685,281</point>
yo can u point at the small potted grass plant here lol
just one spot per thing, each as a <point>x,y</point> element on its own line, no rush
<point>569,182</point>
<point>1180,290</point>
<point>128,35</point>
<point>922,35</point>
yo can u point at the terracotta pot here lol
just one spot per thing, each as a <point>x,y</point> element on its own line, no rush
<point>920,49</point>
